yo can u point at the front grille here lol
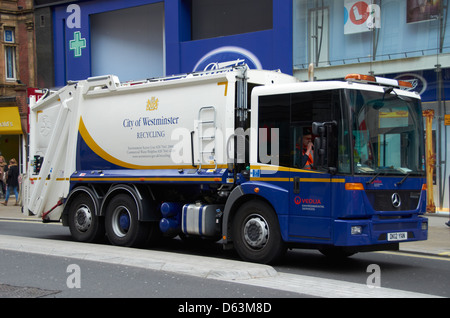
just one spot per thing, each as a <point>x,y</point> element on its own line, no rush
<point>381,200</point>
<point>394,226</point>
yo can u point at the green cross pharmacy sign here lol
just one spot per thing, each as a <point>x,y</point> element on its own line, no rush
<point>77,44</point>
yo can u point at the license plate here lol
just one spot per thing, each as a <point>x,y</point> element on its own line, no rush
<point>398,236</point>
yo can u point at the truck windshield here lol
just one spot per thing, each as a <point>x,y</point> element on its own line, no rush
<point>386,133</point>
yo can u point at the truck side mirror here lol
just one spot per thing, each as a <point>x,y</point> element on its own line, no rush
<point>325,146</point>
<point>320,148</point>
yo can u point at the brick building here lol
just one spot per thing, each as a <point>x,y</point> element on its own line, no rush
<point>17,72</point>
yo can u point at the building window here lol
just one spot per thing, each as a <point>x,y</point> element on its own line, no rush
<point>9,35</point>
<point>10,54</point>
<point>214,18</point>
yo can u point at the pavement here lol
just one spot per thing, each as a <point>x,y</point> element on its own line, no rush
<point>438,245</point>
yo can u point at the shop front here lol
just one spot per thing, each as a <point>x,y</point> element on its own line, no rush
<point>10,133</point>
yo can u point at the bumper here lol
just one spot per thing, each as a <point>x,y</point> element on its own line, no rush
<point>365,232</point>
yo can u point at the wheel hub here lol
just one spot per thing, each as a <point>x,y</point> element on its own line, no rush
<point>83,219</point>
<point>256,232</point>
<point>121,221</point>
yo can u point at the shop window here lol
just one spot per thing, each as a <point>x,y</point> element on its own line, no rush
<point>136,33</point>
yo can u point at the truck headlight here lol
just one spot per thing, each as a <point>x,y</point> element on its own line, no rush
<point>356,230</point>
<point>424,226</point>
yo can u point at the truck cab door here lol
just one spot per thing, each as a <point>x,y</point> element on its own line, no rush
<point>310,191</point>
<point>310,201</point>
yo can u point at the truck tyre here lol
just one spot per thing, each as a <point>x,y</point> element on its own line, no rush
<point>123,227</point>
<point>256,233</point>
<point>84,224</point>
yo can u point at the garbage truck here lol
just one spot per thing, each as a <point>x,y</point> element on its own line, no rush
<point>220,155</point>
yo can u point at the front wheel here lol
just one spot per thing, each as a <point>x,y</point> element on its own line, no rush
<point>256,233</point>
<point>123,227</point>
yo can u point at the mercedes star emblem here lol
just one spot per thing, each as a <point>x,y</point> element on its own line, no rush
<point>396,200</point>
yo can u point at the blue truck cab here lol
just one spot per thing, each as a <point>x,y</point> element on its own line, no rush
<point>366,189</point>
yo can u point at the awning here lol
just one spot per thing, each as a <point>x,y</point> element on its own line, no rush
<point>10,121</point>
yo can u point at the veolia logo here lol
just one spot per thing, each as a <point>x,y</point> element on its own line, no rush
<point>298,200</point>
<point>227,56</point>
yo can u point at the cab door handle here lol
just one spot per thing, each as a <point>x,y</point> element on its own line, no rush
<point>296,185</point>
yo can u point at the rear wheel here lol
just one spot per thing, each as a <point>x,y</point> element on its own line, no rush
<point>84,224</point>
<point>256,233</point>
<point>123,227</point>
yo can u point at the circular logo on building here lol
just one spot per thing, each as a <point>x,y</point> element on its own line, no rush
<point>359,13</point>
<point>419,83</point>
<point>227,56</point>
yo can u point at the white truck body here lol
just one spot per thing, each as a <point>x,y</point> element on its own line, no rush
<point>136,125</point>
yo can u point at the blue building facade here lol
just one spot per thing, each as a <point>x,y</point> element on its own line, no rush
<point>157,38</point>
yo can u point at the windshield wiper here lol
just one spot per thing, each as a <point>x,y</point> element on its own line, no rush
<point>403,180</point>
<point>374,177</point>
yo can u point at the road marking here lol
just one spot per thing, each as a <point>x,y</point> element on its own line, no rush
<point>445,254</point>
<point>439,257</point>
